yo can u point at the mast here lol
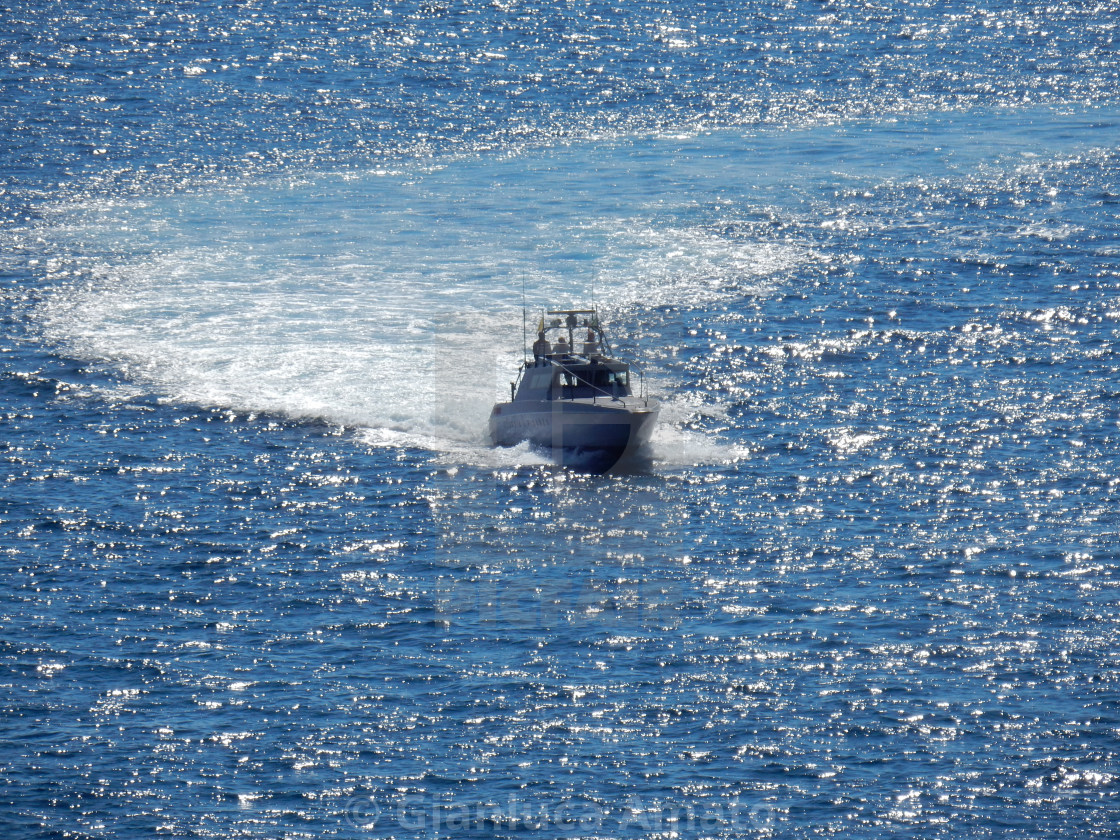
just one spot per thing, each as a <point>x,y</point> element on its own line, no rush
<point>524,328</point>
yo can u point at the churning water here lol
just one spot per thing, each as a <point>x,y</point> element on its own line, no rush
<point>263,269</point>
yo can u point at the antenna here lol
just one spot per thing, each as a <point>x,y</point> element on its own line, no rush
<point>524,327</point>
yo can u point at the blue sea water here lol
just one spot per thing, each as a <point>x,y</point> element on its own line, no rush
<point>262,268</point>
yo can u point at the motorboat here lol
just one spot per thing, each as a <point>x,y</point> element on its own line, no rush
<point>573,399</point>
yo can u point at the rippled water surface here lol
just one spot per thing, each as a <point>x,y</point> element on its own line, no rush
<point>262,272</point>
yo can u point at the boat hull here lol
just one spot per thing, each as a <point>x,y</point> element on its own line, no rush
<point>588,434</point>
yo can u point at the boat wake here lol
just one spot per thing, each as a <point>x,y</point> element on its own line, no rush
<point>399,315</point>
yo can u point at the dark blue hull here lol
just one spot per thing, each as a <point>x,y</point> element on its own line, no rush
<point>582,434</point>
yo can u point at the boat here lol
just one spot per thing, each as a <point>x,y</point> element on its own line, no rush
<point>577,403</point>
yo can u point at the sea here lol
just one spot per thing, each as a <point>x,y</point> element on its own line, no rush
<point>266,265</point>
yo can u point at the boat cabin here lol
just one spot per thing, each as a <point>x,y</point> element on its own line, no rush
<point>569,380</point>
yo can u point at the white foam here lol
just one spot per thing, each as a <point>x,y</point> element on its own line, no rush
<point>699,266</point>
<point>390,302</point>
<point>676,446</point>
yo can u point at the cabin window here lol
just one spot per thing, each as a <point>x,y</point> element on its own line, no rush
<point>607,379</point>
<point>596,382</point>
<point>540,379</point>
<point>617,377</point>
<point>535,381</point>
<point>592,381</point>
